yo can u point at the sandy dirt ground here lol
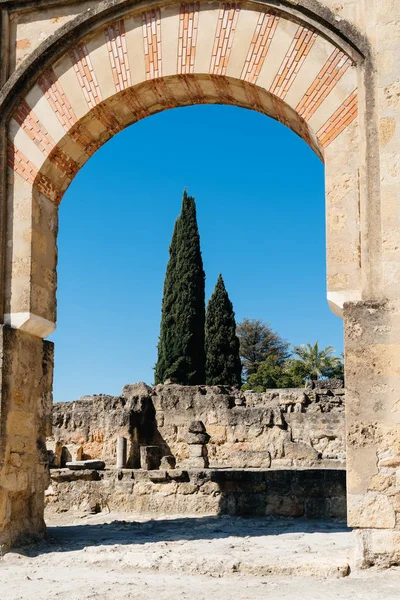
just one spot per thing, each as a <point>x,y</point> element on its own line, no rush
<point>115,557</point>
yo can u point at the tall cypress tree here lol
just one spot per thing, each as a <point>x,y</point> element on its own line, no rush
<point>181,355</point>
<point>223,366</point>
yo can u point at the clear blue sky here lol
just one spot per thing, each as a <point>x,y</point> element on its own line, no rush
<point>259,191</point>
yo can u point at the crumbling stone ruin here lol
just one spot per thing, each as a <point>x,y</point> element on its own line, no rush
<point>201,450</point>
<point>204,426</point>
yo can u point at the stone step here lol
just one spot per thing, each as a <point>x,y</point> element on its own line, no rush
<point>79,465</point>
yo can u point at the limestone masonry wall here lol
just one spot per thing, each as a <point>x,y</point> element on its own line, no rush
<point>279,428</point>
<point>25,420</point>
<point>314,493</point>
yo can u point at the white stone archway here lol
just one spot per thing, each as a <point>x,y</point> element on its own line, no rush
<point>167,57</point>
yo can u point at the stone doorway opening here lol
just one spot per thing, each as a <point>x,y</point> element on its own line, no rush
<point>116,64</point>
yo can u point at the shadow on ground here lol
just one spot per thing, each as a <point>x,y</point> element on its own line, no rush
<point>67,538</point>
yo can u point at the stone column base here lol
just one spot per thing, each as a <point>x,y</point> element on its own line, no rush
<point>26,378</point>
<point>372,376</point>
<point>377,547</point>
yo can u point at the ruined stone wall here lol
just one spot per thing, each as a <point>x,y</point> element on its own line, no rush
<point>95,423</point>
<point>279,428</point>
<point>25,419</point>
<point>281,493</point>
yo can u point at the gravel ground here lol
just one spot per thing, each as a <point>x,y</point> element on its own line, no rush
<point>116,557</point>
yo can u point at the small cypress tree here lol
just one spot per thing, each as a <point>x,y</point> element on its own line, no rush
<point>181,355</point>
<point>223,366</point>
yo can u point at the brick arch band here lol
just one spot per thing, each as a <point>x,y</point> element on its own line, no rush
<point>165,57</point>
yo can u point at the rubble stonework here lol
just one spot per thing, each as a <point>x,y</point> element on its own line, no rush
<point>203,425</point>
<point>91,426</point>
<point>313,494</point>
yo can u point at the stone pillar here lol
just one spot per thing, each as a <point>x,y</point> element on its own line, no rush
<point>385,32</point>
<point>121,453</point>
<point>26,378</point>
<point>197,439</point>
<point>372,374</point>
<point>30,261</point>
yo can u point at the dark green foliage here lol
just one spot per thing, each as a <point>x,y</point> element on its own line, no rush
<point>223,366</point>
<point>257,342</point>
<point>181,345</point>
<point>310,363</point>
<point>273,373</point>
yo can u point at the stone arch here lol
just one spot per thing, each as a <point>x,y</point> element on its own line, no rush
<point>153,59</point>
<point>318,66</point>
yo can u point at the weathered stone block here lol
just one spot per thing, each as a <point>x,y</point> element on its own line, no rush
<point>286,506</point>
<point>292,397</point>
<point>372,510</point>
<point>250,459</point>
<point>178,475</point>
<point>134,390</point>
<point>300,451</point>
<point>217,434</point>
<point>278,419</point>
<point>168,462</point>
<point>197,438</point>
<point>377,547</point>
<point>149,457</point>
<point>198,457</point>
<point>187,488</point>
<point>196,451</point>
<point>54,448</point>
<point>66,475</point>
<point>197,427</point>
<point>81,465</point>
<point>210,487</point>
<point>167,488</point>
<point>237,433</point>
<point>71,453</point>
<point>158,476</point>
